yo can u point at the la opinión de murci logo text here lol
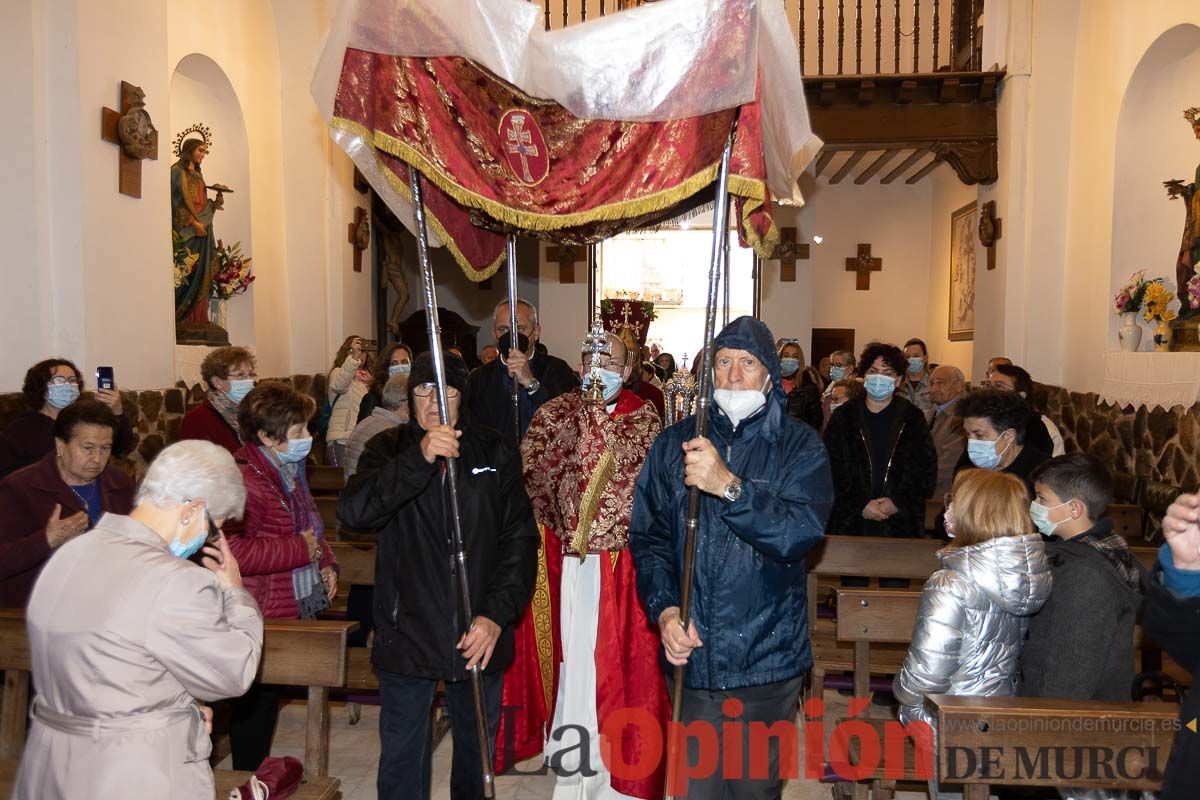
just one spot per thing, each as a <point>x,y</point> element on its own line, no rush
<point>634,744</point>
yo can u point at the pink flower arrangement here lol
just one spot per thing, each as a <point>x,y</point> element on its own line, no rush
<point>233,276</point>
<point>1193,292</point>
<point>1133,294</point>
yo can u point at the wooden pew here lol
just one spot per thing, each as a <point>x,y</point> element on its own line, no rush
<point>877,616</point>
<point>295,653</point>
<point>356,561</point>
<point>865,557</point>
<point>1016,741</point>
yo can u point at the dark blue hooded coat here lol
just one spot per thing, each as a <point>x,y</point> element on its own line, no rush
<point>748,593</point>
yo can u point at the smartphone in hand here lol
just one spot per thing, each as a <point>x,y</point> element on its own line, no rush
<point>104,378</point>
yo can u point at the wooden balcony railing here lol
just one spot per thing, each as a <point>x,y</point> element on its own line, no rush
<point>850,37</point>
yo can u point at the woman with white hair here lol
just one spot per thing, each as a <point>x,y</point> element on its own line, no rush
<point>126,634</point>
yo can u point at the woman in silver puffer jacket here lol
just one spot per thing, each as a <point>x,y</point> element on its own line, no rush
<point>975,610</point>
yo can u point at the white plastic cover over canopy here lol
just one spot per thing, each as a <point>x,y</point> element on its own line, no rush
<point>646,64</point>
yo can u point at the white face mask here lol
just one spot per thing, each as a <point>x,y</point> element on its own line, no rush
<point>739,404</point>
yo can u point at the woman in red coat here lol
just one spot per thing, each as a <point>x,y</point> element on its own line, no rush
<point>228,375</point>
<point>279,543</point>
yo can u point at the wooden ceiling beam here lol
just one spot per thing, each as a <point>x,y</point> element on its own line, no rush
<point>925,170</point>
<point>904,165</point>
<point>823,162</point>
<point>849,166</point>
<point>876,165</point>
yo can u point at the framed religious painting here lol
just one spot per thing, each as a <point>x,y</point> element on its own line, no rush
<point>963,224</point>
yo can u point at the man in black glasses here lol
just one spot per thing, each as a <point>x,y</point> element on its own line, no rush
<point>400,490</point>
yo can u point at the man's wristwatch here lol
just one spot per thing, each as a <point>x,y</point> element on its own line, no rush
<point>533,386</point>
<point>733,490</point>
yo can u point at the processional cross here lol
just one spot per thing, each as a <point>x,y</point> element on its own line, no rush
<point>595,344</point>
<point>864,265</point>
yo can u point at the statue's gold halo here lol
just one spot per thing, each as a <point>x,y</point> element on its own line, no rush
<point>199,128</point>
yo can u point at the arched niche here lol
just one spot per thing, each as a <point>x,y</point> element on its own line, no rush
<point>1154,143</point>
<point>201,92</point>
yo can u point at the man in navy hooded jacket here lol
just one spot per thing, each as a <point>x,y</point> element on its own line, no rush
<point>766,493</point>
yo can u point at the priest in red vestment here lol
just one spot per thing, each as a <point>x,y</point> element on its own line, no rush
<point>585,649</point>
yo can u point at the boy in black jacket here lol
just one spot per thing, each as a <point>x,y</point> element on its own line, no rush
<point>1080,643</point>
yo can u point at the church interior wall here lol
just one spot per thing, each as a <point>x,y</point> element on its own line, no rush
<point>1117,35</point>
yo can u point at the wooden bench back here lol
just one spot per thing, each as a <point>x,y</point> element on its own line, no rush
<point>309,653</point>
<point>356,561</point>
<point>1024,733</point>
<point>325,480</point>
<point>876,615</point>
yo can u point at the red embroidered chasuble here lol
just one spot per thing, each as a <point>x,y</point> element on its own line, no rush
<point>581,466</point>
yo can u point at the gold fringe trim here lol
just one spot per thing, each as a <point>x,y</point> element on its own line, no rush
<point>402,188</point>
<point>590,501</point>
<point>543,623</point>
<point>742,186</point>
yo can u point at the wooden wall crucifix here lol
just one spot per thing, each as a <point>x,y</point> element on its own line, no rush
<point>864,265</point>
<point>789,252</point>
<point>990,229</point>
<point>359,236</point>
<point>135,136</point>
<point>566,256</point>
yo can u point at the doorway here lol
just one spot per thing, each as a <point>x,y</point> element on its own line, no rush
<point>669,267</point>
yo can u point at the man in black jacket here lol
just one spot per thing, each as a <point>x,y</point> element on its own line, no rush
<point>882,456</point>
<point>400,490</point>
<point>541,376</point>
<point>1173,620</point>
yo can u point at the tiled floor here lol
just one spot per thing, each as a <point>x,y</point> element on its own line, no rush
<point>354,757</point>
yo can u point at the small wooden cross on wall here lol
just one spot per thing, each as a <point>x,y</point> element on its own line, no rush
<point>864,265</point>
<point>789,253</point>
<point>359,236</point>
<point>132,131</point>
<point>990,229</point>
<point>566,256</point>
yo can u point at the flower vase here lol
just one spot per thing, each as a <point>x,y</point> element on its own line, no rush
<point>219,316</point>
<point>1162,337</point>
<point>1130,334</point>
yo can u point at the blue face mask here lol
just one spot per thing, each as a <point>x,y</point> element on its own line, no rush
<point>238,389</point>
<point>186,550</point>
<point>399,369</point>
<point>837,373</point>
<point>612,384</point>
<point>1041,517</point>
<point>915,365</point>
<point>880,387</point>
<point>789,366</point>
<point>61,395</point>
<point>297,451</point>
<point>982,453</point>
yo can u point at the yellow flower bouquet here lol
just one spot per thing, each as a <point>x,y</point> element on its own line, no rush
<point>1158,309</point>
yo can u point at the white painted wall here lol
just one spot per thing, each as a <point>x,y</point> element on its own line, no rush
<point>1154,143</point>
<point>86,270</point>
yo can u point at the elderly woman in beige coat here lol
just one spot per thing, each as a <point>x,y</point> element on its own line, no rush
<point>126,635</point>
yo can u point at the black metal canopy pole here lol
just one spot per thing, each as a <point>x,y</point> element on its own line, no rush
<point>459,563</point>
<point>510,259</point>
<point>703,400</point>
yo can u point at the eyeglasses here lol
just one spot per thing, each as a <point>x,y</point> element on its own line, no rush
<point>427,390</point>
<point>59,380</point>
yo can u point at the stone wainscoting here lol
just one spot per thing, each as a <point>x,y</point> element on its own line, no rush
<point>157,414</point>
<point>1156,445</point>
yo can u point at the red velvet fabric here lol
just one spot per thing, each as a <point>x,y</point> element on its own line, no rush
<point>452,121</point>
